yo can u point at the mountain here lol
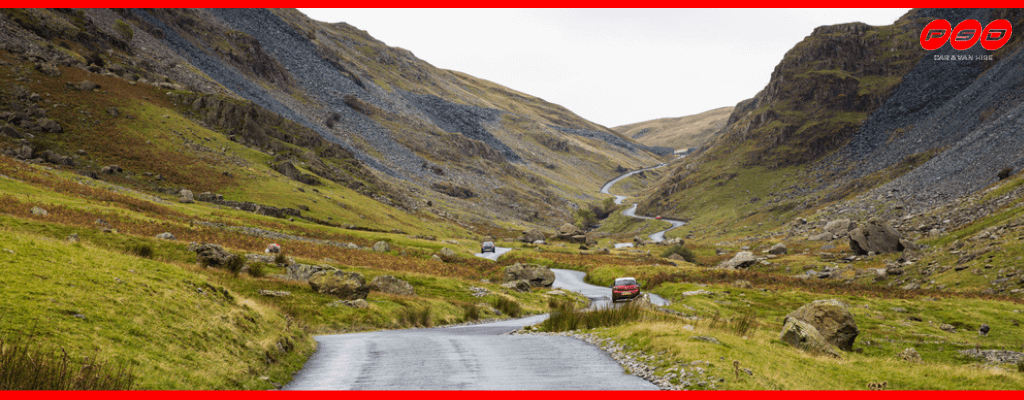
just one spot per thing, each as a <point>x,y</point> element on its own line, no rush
<point>678,133</point>
<point>373,117</point>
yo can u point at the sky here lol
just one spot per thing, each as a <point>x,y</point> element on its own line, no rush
<point>612,67</point>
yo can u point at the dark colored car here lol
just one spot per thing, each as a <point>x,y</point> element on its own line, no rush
<point>487,247</point>
<point>625,288</point>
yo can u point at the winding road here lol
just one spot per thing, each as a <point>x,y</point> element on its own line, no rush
<point>631,212</point>
<point>473,357</point>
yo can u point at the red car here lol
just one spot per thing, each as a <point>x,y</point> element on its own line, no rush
<point>625,288</point>
<point>658,217</point>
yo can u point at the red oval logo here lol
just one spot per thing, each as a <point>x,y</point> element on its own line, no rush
<point>965,34</point>
<point>996,34</point>
<point>935,34</point>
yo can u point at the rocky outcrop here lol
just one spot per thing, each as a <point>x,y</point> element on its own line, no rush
<point>840,227</point>
<point>209,254</point>
<point>909,354</point>
<point>520,285</point>
<point>532,236</point>
<point>743,259</point>
<point>302,272</point>
<point>391,285</point>
<point>341,284</point>
<point>831,319</point>
<point>535,275</point>
<point>806,337</point>
<point>260,209</point>
<point>875,237</point>
<point>567,231</point>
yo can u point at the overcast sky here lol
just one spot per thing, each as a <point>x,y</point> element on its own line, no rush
<point>613,67</point>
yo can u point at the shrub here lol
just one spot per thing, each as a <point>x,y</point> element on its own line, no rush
<point>234,264</point>
<point>141,249</point>
<point>95,58</point>
<point>566,316</point>
<point>26,367</point>
<point>745,325</point>
<point>508,306</point>
<point>258,270</point>
<point>411,316</point>
<point>279,259</point>
<point>471,312</point>
<point>125,30</point>
<point>584,218</point>
<point>683,252</point>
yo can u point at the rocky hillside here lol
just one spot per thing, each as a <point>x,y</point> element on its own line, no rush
<point>372,116</point>
<point>678,133</point>
<point>855,108</point>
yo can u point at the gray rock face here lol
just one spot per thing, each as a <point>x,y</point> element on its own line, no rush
<point>743,259</point>
<point>209,254</point>
<point>382,247</point>
<point>39,211</point>
<point>187,197</point>
<point>804,336</point>
<point>302,272</point>
<point>533,236</point>
<point>567,230</point>
<point>392,285</point>
<point>535,275</point>
<point>341,284</point>
<point>840,227</point>
<point>831,319</point>
<point>166,236</point>
<point>274,293</point>
<point>778,249</point>
<point>875,237</point>
<point>49,125</point>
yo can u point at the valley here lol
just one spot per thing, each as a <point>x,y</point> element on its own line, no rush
<point>151,158</point>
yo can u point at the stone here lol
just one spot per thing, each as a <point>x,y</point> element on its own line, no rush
<point>567,230</point>
<point>984,329</point>
<point>274,293</point>
<point>578,238</point>
<point>302,272</point>
<point>49,125</point>
<point>821,237</point>
<point>382,247</point>
<point>643,301</point>
<point>555,293</point>
<point>806,337</point>
<point>10,132</point>
<point>209,254</point>
<point>877,237</point>
<point>948,328</point>
<point>840,227</point>
<point>519,285</point>
<point>357,303</point>
<point>743,284</point>
<point>778,249</point>
<point>909,354</point>
<point>186,196</point>
<point>111,169</point>
<point>436,257</point>
<point>341,284</point>
<point>166,236</point>
<point>590,241</point>
<point>24,152</point>
<point>831,319</point>
<point>533,236</point>
<point>535,275</point>
<point>743,259</point>
<point>87,86</point>
<point>912,286</point>
<point>391,285</point>
<point>446,254</point>
<point>39,211</point>
<point>73,238</point>
<point>676,257</point>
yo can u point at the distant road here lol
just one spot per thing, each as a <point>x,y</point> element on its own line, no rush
<point>631,212</point>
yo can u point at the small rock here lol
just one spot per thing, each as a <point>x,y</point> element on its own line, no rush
<point>166,236</point>
<point>73,238</point>
<point>909,354</point>
<point>983,330</point>
<point>274,293</point>
<point>948,328</point>
<point>778,249</point>
<point>39,211</point>
<point>187,197</point>
<point>382,247</point>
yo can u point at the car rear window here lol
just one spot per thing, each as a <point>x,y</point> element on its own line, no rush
<point>625,281</point>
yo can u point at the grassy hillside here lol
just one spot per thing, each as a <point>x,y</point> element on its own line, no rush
<point>680,132</point>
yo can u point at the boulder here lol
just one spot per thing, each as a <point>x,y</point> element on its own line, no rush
<point>535,275</point>
<point>357,303</point>
<point>579,238</point>
<point>806,337</point>
<point>840,227</point>
<point>743,259</point>
<point>743,284</point>
<point>166,236</point>
<point>382,247</point>
<point>186,196</point>
<point>24,152</point>
<point>209,254</point>
<point>821,237</point>
<point>674,242</point>
<point>111,169</point>
<point>341,284</point>
<point>676,257</point>
<point>533,236</point>
<point>875,237</point>
<point>302,272</point>
<point>831,319</point>
<point>10,132</point>
<point>778,249</point>
<point>49,125</point>
<point>39,211</point>
<point>446,254</point>
<point>87,86</point>
<point>519,285</point>
<point>567,230</point>
<point>909,354</point>
<point>948,328</point>
<point>590,241</point>
<point>392,285</point>
<point>643,301</point>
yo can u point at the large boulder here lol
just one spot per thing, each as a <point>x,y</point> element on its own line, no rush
<point>382,247</point>
<point>536,275</point>
<point>446,254</point>
<point>533,236</point>
<point>209,254</point>
<point>49,125</point>
<point>804,336</point>
<point>778,249</point>
<point>302,272</point>
<point>341,284</point>
<point>840,227</point>
<point>187,197</point>
<point>520,285</point>
<point>568,230</point>
<point>832,320</point>
<point>392,285</point>
<point>743,259</point>
<point>875,237</point>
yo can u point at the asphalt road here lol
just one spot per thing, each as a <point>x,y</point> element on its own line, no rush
<point>631,212</point>
<point>498,251</point>
<point>475,357</point>
<point>599,296</point>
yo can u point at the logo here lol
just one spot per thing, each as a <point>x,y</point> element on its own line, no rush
<point>966,34</point>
